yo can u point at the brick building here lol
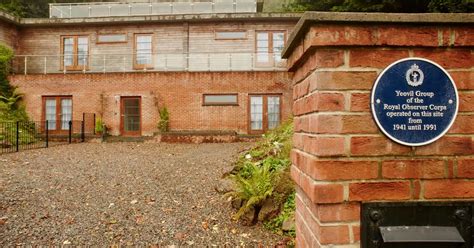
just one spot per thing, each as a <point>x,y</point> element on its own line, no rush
<point>215,66</point>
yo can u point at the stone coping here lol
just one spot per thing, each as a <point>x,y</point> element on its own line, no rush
<point>351,17</point>
<point>152,19</point>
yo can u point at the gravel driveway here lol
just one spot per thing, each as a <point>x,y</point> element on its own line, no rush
<point>121,194</point>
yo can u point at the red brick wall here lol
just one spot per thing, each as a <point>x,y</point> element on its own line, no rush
<point>181,92</point>
<point>340,158</point>
<point>8,34</point>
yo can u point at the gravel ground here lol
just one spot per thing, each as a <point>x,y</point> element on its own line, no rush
<point>121,194</point>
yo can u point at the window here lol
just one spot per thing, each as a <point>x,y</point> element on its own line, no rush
<point>57,110</point>
<point>111,38</point>
<point>75,51</point>
<point>270,44</point>
<point>219,99</point>
<point>231,35</point>
<point>143,51</point>
<point>265,112</point>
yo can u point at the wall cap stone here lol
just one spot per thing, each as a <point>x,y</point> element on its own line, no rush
<point>4,16</point>
<point>351,17</point>
<point>161,18</point>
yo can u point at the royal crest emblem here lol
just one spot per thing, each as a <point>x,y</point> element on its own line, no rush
<point>415,76</point>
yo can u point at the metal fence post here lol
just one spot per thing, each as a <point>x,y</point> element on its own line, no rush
<point>17,136</point>
<point>94,124</point>
<point>70,132</point>
<point>83,137</point>
<point>47,134</point>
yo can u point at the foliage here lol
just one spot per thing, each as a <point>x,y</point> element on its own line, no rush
<point>454,6</point>
<point>10,98</point>
<point>11,109</point>
<point>34,8</point>
<point>288,212</point>
<point>27,133</point>
<point>99,125</point>
<point>163,124</point>
<point>6,55</point>
<point>262,173</point>
<point>255,188</point>
<point>412,6</point>
<point>39,8</point>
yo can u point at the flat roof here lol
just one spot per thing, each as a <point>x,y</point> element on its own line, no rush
<point>352,17</point>
<point>31,22</point>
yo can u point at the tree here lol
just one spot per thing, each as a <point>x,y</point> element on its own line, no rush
<point>454,6</point>
<point>34,8</point>
<point>6,55</point>
<point>11,108</point>
<point>401,6</point>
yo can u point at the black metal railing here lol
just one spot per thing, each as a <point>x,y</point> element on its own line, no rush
<point>25,135</point>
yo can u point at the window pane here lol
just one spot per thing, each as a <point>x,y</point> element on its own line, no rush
<point>262,36</point>
<point>112,38</point>
<point>82,50</point>
<point>263,47</point>
<point>220,99</point>
<point>143,50</point>
<point>273,111</point>
<point>231,35</point>
<point>256,112</point>
<point>278,45</point>
<point>50,113</point>
<point>66,113</point>
<point>83,41</point>
<point>68,47</point>
<point>144,39</point>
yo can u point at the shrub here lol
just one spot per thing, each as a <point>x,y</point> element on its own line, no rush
<point>287,213</point>
<point>163,124</point>
<point>254,189</point>
<point>262,173</point>
<point>6,55</point>
<point>99,125</point>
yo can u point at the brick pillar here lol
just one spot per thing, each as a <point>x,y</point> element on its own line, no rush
<point>340,158</point>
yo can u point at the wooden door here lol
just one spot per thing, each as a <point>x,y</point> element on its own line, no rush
<point>130,116</point>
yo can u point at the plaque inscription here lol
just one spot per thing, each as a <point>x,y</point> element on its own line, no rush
<point>414,101</point>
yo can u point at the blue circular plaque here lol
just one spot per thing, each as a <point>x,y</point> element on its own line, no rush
<point>414,101</point>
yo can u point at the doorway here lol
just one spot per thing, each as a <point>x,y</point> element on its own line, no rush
<point>264,113</point>
<point>130,116</point>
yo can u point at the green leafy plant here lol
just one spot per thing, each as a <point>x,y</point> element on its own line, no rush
<point>287,213</point>
<point>163,124</point>
<point>11,101</point>
<point>6,55</point>
<point>11,108</point>
<point>254,189</point>
<point>99,125</point>
<point>261,174</point>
